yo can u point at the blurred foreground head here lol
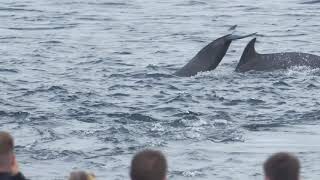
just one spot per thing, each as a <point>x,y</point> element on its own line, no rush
<point>6,150</point>
<point>282,166</point>
<point>148,165</point>
<point>81,175</point>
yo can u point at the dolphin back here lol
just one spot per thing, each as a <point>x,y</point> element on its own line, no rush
<point>251,60</point>
<point>248,54</point>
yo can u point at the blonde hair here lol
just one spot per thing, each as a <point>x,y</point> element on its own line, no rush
<point>81,175</point>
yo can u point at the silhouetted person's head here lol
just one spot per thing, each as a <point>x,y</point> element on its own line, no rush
<point>7,156</point>
<point>81,175</point>
<point>148,165</point>
<point>282,166</point>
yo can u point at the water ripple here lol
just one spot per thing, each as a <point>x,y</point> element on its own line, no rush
<point>93,80</point>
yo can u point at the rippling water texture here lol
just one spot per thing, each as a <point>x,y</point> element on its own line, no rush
<point>86,84</point>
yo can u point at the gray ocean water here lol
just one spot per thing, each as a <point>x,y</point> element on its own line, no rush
<point>86,84</point>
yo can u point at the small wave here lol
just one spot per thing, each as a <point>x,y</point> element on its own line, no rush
<point>311,86</point>
<point>158,75</point>
<point>141,117</point>
<point>91,62</point>
<point>167,110</point>
<point>98,104</point>
<point>8,70</point>
<point>190,115</point>
<point>118,75</point>
<point>213,96</point>
<point>116,151</point>
<point>153,75</point>
<point>255,101</point>
<point>281,83</point>
<point>311,2</point>
<point>226,138</point>
<point>133,117</point>
<point>16,115</point>
<point>20,9</point>
<point>40,118</point>
<point>177,123</point>
<point>220,123</point>
<point>6,83</point>
<point>286,35</point>
<point>45,154</point>
<point>48,135</point>
<point>88,119</point>
<point>192,3</point>
<point>121,87</point>
<point>51,42</point>
<point>157,130</point>
<point>124,64</point>
<point>191,173</point>
<point>119,95</point>
<point>172,87</point>
<point>152,67</point>
<point>95,19</point>
<point>42,28</point>
<point>250,101</point>
<point>253,9</point>
<point>10,37</point>
<point>302,71</point>
<point>301,15</point>
<point>161,52</point>
<point>57,88</point>
<point>182,98</point>
<point>81,114</point>
<point>233,102</point>
<point>68,98</point>
<point>100,134</point>
<point>262,127</point>
<point>117,115</point>
<point>110,4</point>
<point>54,89</point>
<point>310,116</point>
<point>123,53</point>
<point>222,115</point>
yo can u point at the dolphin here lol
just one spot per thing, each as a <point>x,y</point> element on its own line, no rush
<point>251,60</point>
<point>209,57</point>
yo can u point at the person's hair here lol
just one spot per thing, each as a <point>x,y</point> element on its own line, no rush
<point>148,165</point>
<point>81,175</point>
<point>6,148</point>
<point>282,166</point>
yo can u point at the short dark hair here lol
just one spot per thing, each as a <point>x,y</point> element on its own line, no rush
<point>282,166</point>
<point>148,165</point>
<point>81,175</point>
<point>6,147</point>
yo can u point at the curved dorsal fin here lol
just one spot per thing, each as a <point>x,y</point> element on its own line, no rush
<point>248,53</point>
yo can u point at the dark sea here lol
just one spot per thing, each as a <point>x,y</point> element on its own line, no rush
<point>85,84</point>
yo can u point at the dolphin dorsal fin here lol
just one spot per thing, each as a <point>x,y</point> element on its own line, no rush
<point>249,52</point>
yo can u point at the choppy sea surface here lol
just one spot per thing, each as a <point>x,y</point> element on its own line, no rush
<point>86,84</point>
